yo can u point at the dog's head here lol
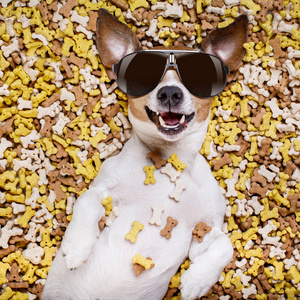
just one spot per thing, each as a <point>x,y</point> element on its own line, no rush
<point>169,111</point>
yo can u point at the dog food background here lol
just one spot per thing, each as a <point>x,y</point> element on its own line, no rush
<point>60,117</point>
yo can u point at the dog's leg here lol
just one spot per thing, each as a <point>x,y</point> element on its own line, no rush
<point>208,259</point>
<point>82,232</point>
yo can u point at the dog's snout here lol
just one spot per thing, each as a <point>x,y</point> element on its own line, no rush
<point>170,95</point>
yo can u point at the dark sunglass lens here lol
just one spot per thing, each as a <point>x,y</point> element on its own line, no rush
<point>139,73</point>
<point>203,75</point>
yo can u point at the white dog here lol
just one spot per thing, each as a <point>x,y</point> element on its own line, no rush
<point>171,119</point>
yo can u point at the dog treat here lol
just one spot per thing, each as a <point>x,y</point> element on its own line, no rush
<point>139,268</point>
<point>166,232</point>
<point>107,203</point>
<point>169,170</point>
<point>200,231</point>
<point>156,216</point>
<point>112,216</point>
<point>136,228</point>
<point>179,188</point>
<point>101,223</point>
<point>158,161</point>
<point>146,263</point>
<point>175,161</point>
<point>149,174</point>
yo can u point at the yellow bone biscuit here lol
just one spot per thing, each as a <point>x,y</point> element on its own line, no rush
<point>24,220</point>
<point>227,279</point>
<point>46,239</point>
<point>19,71</point>
<point>250,53</point>
<point>266,215</point>
<point>176,162</point>
<point>279,267</point>
<point>29,275</point>
<point>42,272</point>
<point>17,256</point>
<point>256,265</point>
<point>278,198</point>
<point>136,228</point>
<point>149,174</point>
<point>107,203</point>
<point>7,294</point>
<point>293,271</point>
<point>3,269</point>
<point>175,281</point>
<point>48,146</point>
<point>146,263</point>
<point>99,136</point>
<point>6,212</point>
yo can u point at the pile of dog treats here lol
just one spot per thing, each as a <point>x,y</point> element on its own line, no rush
<point>60,117</point>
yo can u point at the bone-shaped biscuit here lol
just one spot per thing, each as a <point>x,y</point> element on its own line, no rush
<point>179,188</point>
<point>101,223</point>
<point>146,263</point>
<point>112,216</point>
<point>170,171</point>
<point>166,232</point>
<point>132,234</point>
<point>140,268</point>
<point>200,231</point>
<point>107,203</point>
<point>155,157</point>
<point>176,162</point>
<point>149,174</point>
<point>156,216</point>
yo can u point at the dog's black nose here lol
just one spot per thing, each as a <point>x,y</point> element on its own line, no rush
<point>170,95</point>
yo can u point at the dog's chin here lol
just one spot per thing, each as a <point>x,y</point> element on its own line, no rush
<point>171,126</point>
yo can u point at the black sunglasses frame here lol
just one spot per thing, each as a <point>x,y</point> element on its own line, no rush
<point>171,63</point>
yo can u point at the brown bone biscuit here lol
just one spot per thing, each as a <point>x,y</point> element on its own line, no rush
<point>138,269</point>
<point>155,157</point>
<point>200,231</point>
<point>166,232</point>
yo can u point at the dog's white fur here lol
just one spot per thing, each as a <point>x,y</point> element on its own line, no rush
<point>94,265</point>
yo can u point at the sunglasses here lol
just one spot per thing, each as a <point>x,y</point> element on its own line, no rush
<point>138,73</point>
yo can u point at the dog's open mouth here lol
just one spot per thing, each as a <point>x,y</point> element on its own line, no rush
<point>169,122</point>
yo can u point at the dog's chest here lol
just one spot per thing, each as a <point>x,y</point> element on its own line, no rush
<point>185,198</point>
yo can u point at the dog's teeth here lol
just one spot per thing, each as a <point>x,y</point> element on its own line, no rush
<point>161,121</point>
<point>182,120</point>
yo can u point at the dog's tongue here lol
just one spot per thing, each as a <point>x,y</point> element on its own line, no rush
<point>171,118</point>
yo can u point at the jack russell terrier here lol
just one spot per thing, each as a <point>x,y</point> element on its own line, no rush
<point>170,91</point>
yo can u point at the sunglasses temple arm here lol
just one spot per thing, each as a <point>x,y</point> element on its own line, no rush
<point>227,69</point>
<point>115,68</point>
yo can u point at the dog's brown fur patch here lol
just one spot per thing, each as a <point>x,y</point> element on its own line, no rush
<point>137,107</point>
<point>202,108</point>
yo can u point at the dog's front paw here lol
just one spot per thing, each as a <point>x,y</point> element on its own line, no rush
<point>77,245</point>
<point>196,282</point>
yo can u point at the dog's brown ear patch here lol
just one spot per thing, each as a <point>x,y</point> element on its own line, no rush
<point>114,39</point>
<point>227,43</point>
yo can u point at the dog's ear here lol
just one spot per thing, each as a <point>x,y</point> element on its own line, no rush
<point>114,39</point>
<point>227,43</point>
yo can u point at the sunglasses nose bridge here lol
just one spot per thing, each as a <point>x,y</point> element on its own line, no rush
<point>173,68</point>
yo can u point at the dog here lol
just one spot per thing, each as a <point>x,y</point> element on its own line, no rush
<point>169,119</point>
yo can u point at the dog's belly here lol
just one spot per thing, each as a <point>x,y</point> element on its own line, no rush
<point>135,201</point>
<point>109,269</point>
<point>109,273</point>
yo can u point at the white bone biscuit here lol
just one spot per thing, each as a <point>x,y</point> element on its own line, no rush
<point>156,216</point>
<point>112,216</point>
<point>170,171</point>
<point>179,188</point>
